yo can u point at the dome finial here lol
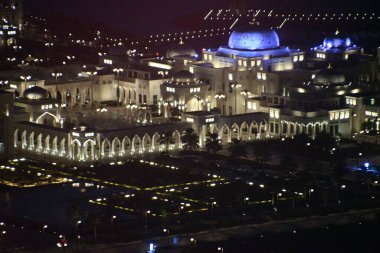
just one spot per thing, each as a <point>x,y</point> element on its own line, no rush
<point>337,32</point>
<point>330,66</point>
<point>181,41</point>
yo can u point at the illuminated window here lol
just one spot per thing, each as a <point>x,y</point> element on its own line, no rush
<point>108,61</point>
<point>191,69</point>
<point>253,63</point>
<point>259,75</point>
<point>264,76</point>
<point>271,113</point>
<point>245,63</point>
<point>230,77</point>
<point>295,58</point>
<point>347,114</point>
<point>239,62</point>
<point>302,57</point>
<point>276,114</point>
<point>341,115</point>
<point>331,116</point>
<point>190,120</point>
<point>258,63</point>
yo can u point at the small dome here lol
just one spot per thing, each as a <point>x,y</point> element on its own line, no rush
<point>336,41</point>
<point>253,37</point>
<point>181,50</point>
<point>36,93</point>
<point>329,76</point>
<point>184,76</point>
<point>83,127</point>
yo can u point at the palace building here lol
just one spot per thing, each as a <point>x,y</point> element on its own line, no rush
<point>252,88</point>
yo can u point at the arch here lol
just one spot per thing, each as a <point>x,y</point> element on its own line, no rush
<point>62,147</point>
<point>214,129</point>
<point>225,134</point>
<point>148,117</point>
<point>54,146</point>
<point>24,139</point>
<point>136,145</point>
<point>235,132</point>
<point>309,129</point>
<point>244,131</point>
<point>16,138</point>
<point>194,104</point>
<point>156,142</point>
<point>146,143</point>
<point>116,147</point>
<point>47,146</point>
<point>32,143</point>
<point>89,150</point>
<point>177,140</point>
<point>59,97</point>
<point>254,130</point>
<point>106,149</point>
<point>39,143</point>
<point>41,119</point>
<point>126,146</point>
<point>76,150</point>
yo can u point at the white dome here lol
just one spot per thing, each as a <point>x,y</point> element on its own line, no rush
<point>252,37</point>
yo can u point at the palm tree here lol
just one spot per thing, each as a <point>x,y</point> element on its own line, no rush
<point>166,139</point>
<point>213,143</point>
<point>190,140</point>
<point>238,149</point>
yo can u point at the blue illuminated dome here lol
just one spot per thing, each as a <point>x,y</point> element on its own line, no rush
<point>336,41</point>
<point>253,37</point>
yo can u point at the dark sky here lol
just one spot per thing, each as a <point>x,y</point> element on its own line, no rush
<point>148,16</point>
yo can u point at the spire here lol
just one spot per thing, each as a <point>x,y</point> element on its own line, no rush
<point>181,41</point>
<point>337,32</point>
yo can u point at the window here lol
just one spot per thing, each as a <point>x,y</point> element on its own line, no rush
<point>194,90</point>
<point>258,63</point>
<point>259,75</point>
<point>301,58</point>
<point>295,58</point>
<point>191,70</point>
<point>170,89</point>
<point>140,98</point>
<point>108,61</point>
<point>230,76</point>
<point>144,99</point>
<point>253,63</point>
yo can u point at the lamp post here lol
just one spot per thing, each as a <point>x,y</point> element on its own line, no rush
<point>56,75</point>
<point>213,203</point>
<point>194,241</point>
<point>235,86</point>
<point>77,228</point>
<point>113,217</point>
<point>25,79</point>
<point>2,236</point>
<point>118,71</point>
<point>245,199</point>
<point>146,218</point>
<point>246,94</point>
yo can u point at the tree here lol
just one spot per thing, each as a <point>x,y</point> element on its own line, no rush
<point>325,141</point>
<point>190,140</point>
<point>238,149</point>
<point>166,139</point>
<point>260,150</point>
<point>213,143</point>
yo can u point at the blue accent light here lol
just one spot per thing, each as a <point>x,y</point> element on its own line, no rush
<point>366,165</point>
<point>254,39</point>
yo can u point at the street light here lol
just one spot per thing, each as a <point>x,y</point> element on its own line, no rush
<point>118,71</point>
<point>25,79</point>
<point>146,217</point>
<point>235,86</point>
<point>56,75</point>
<point>193,240</point>
<point>220,249</point>
<point>213,203</point>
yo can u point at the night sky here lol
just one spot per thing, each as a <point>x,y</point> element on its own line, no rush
<point>149,16</point>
